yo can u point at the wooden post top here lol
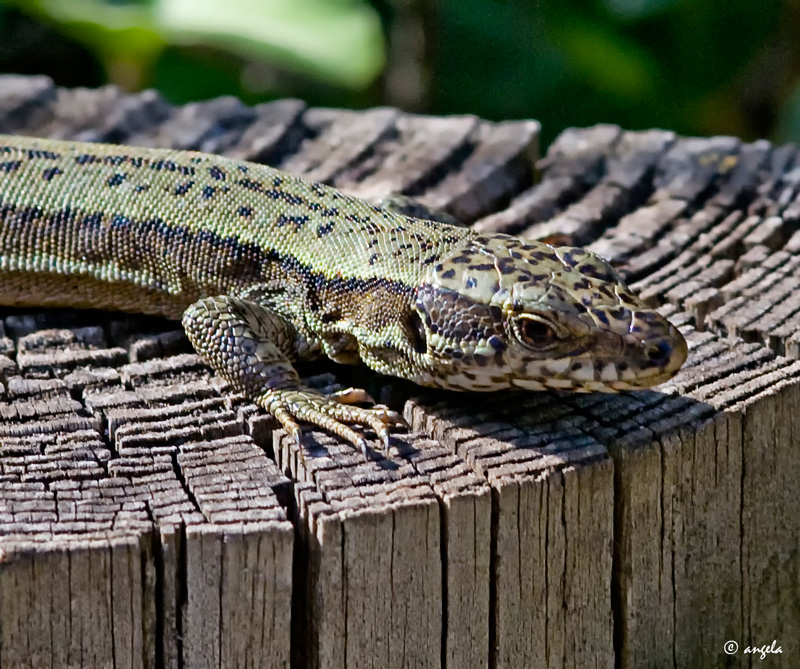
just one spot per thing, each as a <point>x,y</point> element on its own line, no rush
<point>148,517</point>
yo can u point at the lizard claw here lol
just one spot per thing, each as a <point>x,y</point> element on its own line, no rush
<point>383,435</point>
<point>364,448</point>
<point>290,405</point>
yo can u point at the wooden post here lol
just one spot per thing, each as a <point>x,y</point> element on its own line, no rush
<point>148,517</point>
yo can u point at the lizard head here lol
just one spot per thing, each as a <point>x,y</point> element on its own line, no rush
<point>502,313</point>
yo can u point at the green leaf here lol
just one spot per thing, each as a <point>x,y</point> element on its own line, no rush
<point>336,41</point>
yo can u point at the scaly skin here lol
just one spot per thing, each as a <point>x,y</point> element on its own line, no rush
<point>265,269</point>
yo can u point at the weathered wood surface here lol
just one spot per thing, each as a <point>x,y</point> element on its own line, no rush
<point>150,518</point>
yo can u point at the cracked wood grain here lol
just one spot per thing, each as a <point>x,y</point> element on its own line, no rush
<point>148,517</point>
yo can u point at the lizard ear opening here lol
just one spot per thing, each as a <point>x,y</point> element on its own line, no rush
<point>416,332</point>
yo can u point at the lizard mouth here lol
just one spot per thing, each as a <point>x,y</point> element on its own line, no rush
<point>617,362</point>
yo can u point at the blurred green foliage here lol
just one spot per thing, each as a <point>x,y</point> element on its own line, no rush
<point>191,49</point>
<point>710,67</point>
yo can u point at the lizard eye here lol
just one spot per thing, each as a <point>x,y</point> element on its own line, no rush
<point>536,333</point>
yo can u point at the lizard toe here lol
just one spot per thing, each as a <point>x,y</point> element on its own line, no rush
<point>352,396</point>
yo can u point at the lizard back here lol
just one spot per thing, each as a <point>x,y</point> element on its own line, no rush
<point>152,230</point>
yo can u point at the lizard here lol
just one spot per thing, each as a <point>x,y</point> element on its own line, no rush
<point>264,269</point>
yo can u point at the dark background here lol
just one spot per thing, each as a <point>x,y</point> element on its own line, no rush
<point>699,67</point>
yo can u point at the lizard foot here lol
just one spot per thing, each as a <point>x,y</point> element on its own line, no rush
<point>291,405</point>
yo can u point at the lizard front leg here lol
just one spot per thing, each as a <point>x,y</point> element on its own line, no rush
<point>251,346</point>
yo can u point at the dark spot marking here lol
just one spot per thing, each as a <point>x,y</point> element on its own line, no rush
<point>569,259</point>
<point>245,211</point>
<point>182,189</point>
<point>142,187</point>
<point>372,228</point>
<point>86,158</point>
<point>51,172</point>
<point>10,166</point>
<point>333,211</point>
<point>471,282</point>
<point>323,230</point>
<point>449,274</point>
<point>507,266</point>
<point>288,197</point>
<point>297,221</point>
<point>171,166</point>
<point>166,165</point>
<point>208,192</point>
<point>595,272</point>
<point>600,315</point>
<point>216,173</point>
<point>617,314</point>
<point>116,180</point>
<point>42,153</point>
<point>497,343</point>
<point>251,184</point>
